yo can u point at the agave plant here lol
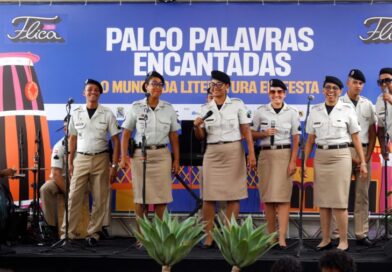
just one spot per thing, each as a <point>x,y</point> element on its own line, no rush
<point>169,240</point>
<point>242,245</point>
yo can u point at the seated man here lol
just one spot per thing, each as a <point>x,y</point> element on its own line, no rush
<point>55,185</point>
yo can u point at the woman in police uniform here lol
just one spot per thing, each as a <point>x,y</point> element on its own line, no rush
<point>157,119</point>
<point>224,166</point>
<point>332,125</point>
<point>277,126</point>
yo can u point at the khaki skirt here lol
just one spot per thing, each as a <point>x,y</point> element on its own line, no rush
<point>224,172</point>
<point>274,184</point>
<point>158,176</point>
<point>332,176</point>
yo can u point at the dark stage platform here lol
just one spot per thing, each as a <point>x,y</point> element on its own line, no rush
<point>118,254</point>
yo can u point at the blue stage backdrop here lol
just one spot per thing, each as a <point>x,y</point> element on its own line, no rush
<point>118,44</point>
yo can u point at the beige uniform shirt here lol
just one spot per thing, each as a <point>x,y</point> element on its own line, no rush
<point>224,124</point>
<point>335,128</point>
<point>287,123</point>
<point>58,153</point>
<point>159,122</point>
<point>380,111</point>
<point>92,133</point>
<point>366,115</point>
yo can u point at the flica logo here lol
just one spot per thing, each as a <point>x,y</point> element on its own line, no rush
<point>36,29</point>
<point>380,30</point>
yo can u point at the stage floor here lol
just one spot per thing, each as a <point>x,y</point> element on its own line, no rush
<point>119,254</point>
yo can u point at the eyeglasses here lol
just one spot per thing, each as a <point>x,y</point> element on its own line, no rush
<point>216,84</point>
<point>276,91</point>
<point>329,87</point>
<point>156,84</point>
<point>386,81</point>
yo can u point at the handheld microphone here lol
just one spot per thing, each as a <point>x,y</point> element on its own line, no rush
<point>310,97</point>
<point>272,139</point>
<point>70,101</point>
<point>208,114</point>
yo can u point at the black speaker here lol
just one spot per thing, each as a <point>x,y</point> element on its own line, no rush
<point>191,149</point>
<point>16,229</point>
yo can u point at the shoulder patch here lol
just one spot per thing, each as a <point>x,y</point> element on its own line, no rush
<point>78,108</point>
<point>236,100</point>
<point>317,107</point>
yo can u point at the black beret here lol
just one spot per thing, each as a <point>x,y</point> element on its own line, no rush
<point>222,77</point>
<point>277,83</point>
<point>334,80</point>
<point>357,74</point>
<point>386,70</point>
<point>151,75</point>
<point>94,82</point>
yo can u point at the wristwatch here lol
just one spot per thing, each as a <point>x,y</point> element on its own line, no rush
<point>114,165</point>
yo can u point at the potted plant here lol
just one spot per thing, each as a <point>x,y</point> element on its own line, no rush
<point>241,245</point>
<point>169,240</point>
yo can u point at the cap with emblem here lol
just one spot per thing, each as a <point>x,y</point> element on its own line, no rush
<point>386,70</point>
<point>334,80</point>
<point>357,74</point>
<point>94,82</point>
<point>150,75</point>
<point>222,77</point>
<point>277,83</point>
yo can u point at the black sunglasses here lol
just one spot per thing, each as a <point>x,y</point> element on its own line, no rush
<point>384,81</point>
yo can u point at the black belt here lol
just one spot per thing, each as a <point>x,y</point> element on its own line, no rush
<point>339,146</point>
<point>92,154</point>
<point>273,147</point>
<point>222,142</point>
<point>363,145</point>
<point>152,147</point>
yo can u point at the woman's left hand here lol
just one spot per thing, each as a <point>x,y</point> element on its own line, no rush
<point>176,166</point>
<point>291,169</point>
<point>252,161</point>
<point>112,174</point>
<point>363,170</point>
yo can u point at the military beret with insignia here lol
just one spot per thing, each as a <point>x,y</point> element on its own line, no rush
<point>333,80</point>
<point>386,70</point>
<point>357,74</point>
<point>222,77</point>
<point>94,82</point>
<point>277,83</point>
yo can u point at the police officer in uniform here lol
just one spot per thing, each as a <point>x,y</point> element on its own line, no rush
<point>224,165</point>
<point>384,116</point>
<point>157,119</point>
<point>55,185</point>
<point>367,120</point>
<point>332,125</point>
<point>277,125</point>
<point>88,129</point>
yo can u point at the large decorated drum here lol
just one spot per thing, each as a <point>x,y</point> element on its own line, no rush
<point>22,122</point>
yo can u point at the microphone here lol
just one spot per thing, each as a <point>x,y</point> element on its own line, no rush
<point>70,101</point>
<point>272,139</point>
<point>310,97</point>
<point>208,114</point>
